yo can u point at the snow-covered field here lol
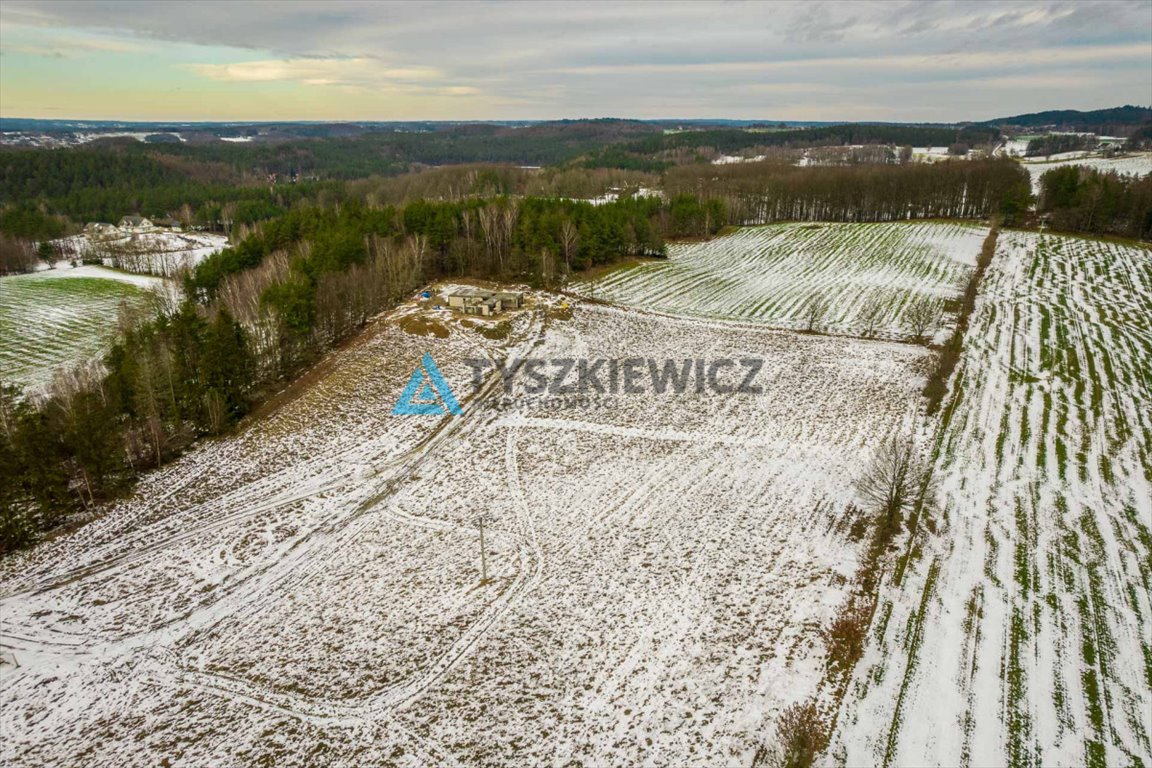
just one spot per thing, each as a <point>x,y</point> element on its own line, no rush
<point>933,154</point>
<point>61,317</point>
<point>661,566</point>
<point>75,138</point>
<point>614,194</point>
<point>1139,163</point>
<point>1015,147</point>
<point>164,253</point>
<point>731,159</point>
<point>1022,634</point>
<point>767,274</point>
<point>307,591</point>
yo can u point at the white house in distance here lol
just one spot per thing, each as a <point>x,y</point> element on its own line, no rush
<point>100,229</point>
<point>480,301</point>
<point>135,223</point>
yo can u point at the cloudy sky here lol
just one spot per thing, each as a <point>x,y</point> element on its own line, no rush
<point>337,60</point>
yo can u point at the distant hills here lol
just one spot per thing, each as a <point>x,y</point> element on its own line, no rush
<point>1096,121</point>
<point>1114,121</point>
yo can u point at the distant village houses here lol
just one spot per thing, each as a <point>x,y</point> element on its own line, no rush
<point>130,225</point>
<point>136,223</point>
<point>101,229</point>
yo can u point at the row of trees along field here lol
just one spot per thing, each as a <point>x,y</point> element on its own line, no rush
<point>261,310</point>
<point>1081,199</point>
<point>1055,143</point>
<point>757,193</point>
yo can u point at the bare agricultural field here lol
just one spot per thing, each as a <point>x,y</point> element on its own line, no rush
<point>660,565</point>
<point>870,275</point>
<point>1023,635</point>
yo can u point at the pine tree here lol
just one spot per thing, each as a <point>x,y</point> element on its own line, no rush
<point>227,369</point>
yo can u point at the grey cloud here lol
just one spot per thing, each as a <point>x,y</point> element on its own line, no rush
<point>647,58</point>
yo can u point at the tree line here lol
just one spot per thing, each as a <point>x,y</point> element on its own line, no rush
<point>1055,143</point>
<point>1077,198</point>
<point>655,153</point>
<point>759,193</point>
<point>112,177</point>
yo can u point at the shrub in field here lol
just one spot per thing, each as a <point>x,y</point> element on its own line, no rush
<point>845,637</point>
<point>870,315</point>
<point>801,735</point>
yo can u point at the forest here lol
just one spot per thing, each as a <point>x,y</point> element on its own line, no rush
<point>217,184</point>
<point>1080,199</point>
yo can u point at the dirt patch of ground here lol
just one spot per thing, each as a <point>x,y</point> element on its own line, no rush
<point>494,331</point>
<point>419,325</point>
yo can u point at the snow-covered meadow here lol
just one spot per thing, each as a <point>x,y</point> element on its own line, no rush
<point>768,274</point>
<point>165,253</point>
<point>1136,163</point>
<point>66,315</point>
<point>1022,633</point>
<point>661,565</point>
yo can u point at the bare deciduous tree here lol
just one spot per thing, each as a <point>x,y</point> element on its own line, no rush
<point>815,309</point>
<point>870,315</point>
<point>16,256</point>
<point>569,242</point>
<point>921,316</point>
<point>891,481</point>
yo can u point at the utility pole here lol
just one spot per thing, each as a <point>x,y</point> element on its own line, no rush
<point>483,555</point>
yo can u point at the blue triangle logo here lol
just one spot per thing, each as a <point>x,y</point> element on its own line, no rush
<point>427,393</point>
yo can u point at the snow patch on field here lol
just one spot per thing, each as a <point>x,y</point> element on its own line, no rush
<point>733,159</point>
<point>164,253</point>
